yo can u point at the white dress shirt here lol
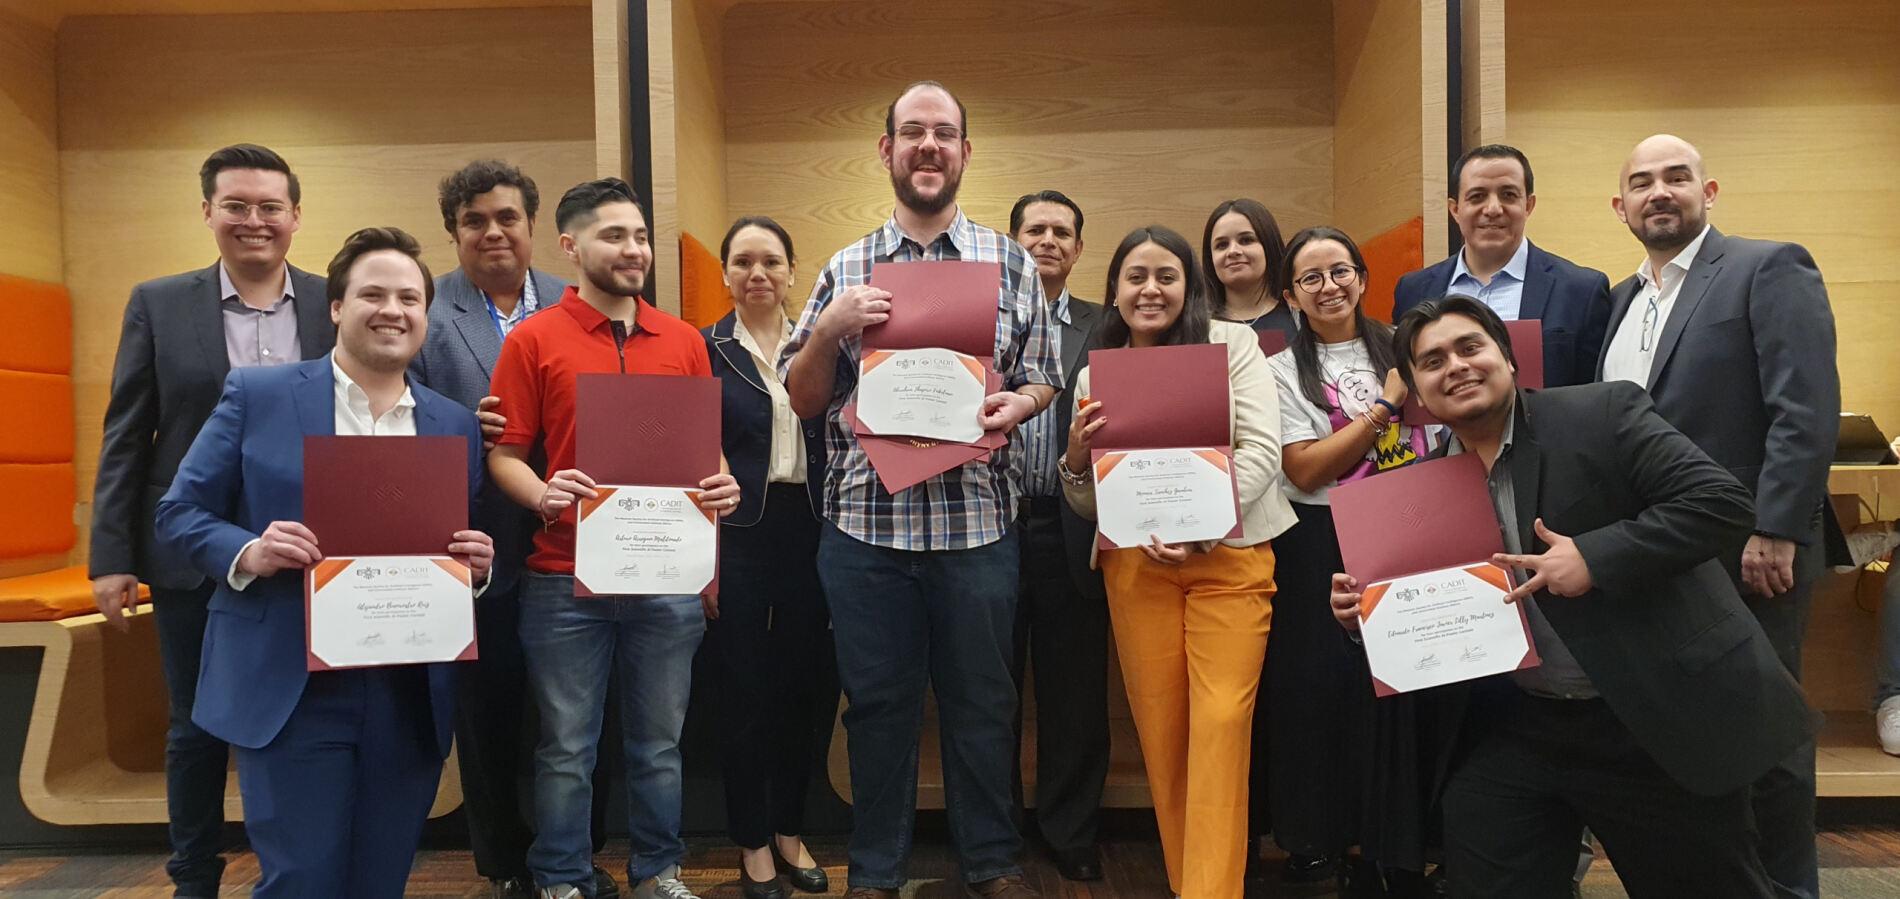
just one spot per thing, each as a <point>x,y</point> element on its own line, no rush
<point>1632,349</point>
<point>353,419</point>
<point>787,465</point>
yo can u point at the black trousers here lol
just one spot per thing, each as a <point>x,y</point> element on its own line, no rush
<point>1064,634</point>
<point>495,729</point>
<point>776,671</point>
<point>195,761</point>
<point>1537,771</point>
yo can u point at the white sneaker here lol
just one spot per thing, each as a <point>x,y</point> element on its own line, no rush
<point>665,886</point>
<point>559,891</point>
<point>1887,719</point>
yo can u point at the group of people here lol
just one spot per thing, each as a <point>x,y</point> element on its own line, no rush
<point>1665,527</point>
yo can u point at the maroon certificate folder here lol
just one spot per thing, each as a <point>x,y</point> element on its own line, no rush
<point>952,305</point>
<point>1527,344</point>
<point>1272,341</point>
<point>1166,397</point>
<point>647,431</point>
<point>903,462</point>
<point>385,496</point>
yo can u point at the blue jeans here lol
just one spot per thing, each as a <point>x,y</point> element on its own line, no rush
<point>573,646</point>
<point>903,621</point>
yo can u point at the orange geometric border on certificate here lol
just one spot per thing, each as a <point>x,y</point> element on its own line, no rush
<point>327,570</point>
<point>1491,574</point>
<point>1216,457</point>
<point>1371,598</point>
<point>874,359</point>
<point>459,570</point>
<point>589,505</point>
<point>1107,464</point>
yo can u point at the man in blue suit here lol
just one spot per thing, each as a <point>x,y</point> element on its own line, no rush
<point>1493,195</point>
<point>337,768</point>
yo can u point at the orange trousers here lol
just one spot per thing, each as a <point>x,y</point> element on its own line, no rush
<point>1191,639</point>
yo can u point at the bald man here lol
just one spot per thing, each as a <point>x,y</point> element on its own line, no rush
<point>1734,340</point>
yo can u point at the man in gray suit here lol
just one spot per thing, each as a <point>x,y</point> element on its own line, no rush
<point>1061,611</point>
<point>181,335</point>
<point>1734,340</point>
<point>488,208</point>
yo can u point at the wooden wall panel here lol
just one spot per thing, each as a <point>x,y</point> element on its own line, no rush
<point>1389,134</point>
<point>370,114</point>
<point>51,12</point>
<point>29,151</point>
<point>1143,112</point>
<point>1797,114</point>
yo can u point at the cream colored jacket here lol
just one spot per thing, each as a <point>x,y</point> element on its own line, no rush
<point>1253,414</point>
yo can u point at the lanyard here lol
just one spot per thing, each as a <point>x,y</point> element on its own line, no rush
<point>527,305</point>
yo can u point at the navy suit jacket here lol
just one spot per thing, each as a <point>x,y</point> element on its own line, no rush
<point>1573,302</point>
<point>745,410</point>
<point>243,472</point>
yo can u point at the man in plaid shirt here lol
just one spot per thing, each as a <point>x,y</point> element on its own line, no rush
<point>922,583</point>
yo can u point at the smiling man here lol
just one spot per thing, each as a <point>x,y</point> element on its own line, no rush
<point>1492,199</point>
<point>1734,340</point>
<point>1659,699</point>
<point>922,583</point>
<point>180,337</point>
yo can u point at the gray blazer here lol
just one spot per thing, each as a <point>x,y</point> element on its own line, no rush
<point>457,361</point>
<point>1746,369</point>
<point>166,378</point>
<point>1078,533</point>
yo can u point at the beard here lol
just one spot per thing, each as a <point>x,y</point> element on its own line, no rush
<point>915,201</point>
<point>1669,235</point>
<point>605,281</point>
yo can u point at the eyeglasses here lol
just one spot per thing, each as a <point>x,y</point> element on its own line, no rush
<point>1649,323</point>
<point>1314,282</point>
<point>913,133</point>
<point>235,212</point>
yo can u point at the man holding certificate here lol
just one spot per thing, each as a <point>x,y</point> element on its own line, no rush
<point>922,577</point>
<point>561,381</point>
<point>337,767</point>
<point>1659,699</point>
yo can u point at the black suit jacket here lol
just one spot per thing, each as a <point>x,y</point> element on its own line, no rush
<point>1573,303</point>
<point>1745,366</point>
<point>1079,335</point>
<point>166,379</point>
<point>745,411</point>
<point>1664,636</point>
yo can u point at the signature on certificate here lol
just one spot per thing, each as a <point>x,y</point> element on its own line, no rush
<point>627,571</point>
<point>1427,663</point>
<point>418,638</point>
<point>375,639</point>
<point>1472,654</point>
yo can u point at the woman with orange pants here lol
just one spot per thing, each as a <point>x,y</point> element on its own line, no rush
<point>1191,620</point>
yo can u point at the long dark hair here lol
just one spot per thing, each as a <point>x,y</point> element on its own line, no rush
<point>1376,335</point>
<point>1191,326</point>
<point>1264,227</point>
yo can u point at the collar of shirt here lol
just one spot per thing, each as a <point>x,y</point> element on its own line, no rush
<point>526,302</point>
<point>1680,264</point>
<point>229,291</point>
<point>1454,446</point>
<point>1060,307</point>
<point>353,416</point>
<point>960,233</point>
<point>1514,268</point>
<point>591,319</point>
<point>744,335</point>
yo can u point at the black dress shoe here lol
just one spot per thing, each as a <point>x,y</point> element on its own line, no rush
<point>604,885</point>
<point>805,880</point>
<point>760,889</point>
<point>1308,869</point>
<point>1079,864</point>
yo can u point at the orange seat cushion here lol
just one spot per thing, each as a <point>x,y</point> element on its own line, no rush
<point>703,295</point>
<point>38,518</point>
<point>50,595</point>
<point>41,426</point>
<point>36,326</point>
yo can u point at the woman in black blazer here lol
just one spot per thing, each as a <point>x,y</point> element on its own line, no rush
<point>771,643</point>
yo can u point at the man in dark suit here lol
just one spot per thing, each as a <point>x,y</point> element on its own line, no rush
<point>1734,340</point>
<point>338,768</point>
<point>1493,195</point>
<point>181,335</point>
<point>1659,699</point>
<point>488,207</point>
<point>1062,611</point>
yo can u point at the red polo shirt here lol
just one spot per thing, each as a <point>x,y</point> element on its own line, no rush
<point>534,377</point>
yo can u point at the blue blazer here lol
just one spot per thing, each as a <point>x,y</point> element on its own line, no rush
<point>745,409</point>
<point>243,472</point>
<point>1573,302</point>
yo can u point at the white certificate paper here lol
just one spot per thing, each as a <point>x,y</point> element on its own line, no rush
<point>1179,495</point>
<point>934,394</point>
<point>1441,627</point>
<point>388,610</point>
<point>645,541</point>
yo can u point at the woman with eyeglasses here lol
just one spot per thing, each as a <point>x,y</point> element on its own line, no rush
<point>1340,395</point>
<point>770,644</point>
<point>1190,620</point>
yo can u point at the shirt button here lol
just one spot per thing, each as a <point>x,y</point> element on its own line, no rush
<point>267,352</point>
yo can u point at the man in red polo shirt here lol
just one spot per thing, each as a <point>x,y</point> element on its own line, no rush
<point>574,646</point>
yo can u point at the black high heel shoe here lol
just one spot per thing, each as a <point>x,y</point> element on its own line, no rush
<point>805,880</point>
<point>760,889</point>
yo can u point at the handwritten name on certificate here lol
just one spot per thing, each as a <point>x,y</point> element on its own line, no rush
<point>645,541</point>
<point>1441,627</point>
<point>930,393</point>
<point>388,610</point>
<point>1179,495</point>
